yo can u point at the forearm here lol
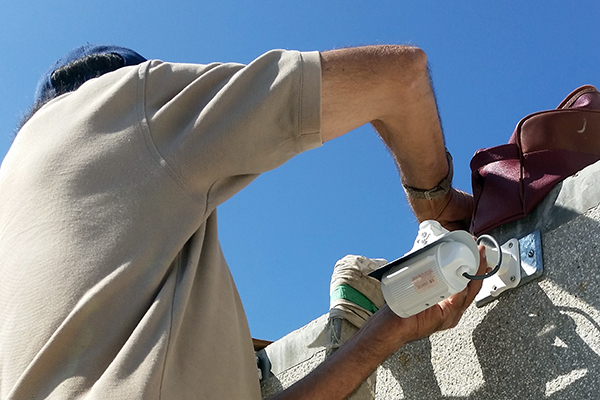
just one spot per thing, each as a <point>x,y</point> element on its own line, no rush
<point>413,133</point>
<point>351,364</point>
<point>414,137</point>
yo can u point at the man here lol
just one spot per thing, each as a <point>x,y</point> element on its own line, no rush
<point>112,280</point>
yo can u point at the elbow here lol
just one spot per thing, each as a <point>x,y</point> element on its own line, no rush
<point>407,55</point>
<point>406,65</point>
<point>406,81</point>
<point>416,64</point>
<point>415,55</point>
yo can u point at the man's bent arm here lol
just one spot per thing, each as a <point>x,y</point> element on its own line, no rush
<point>389,86</point>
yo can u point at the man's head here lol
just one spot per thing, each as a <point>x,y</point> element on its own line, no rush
<point>76,67</point>
<point>80,65</point>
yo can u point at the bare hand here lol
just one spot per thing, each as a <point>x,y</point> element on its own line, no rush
<point>396,331</point>
<point>382,335</point>
<point>453,211</point>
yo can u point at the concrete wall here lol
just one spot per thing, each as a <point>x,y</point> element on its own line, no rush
<point>540,341</point>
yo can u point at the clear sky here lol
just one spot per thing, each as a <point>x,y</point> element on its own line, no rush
<point>492,63</point>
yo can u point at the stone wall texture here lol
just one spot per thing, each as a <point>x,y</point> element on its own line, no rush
<point>539,341</point>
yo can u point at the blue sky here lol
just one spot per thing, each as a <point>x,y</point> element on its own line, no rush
<point>492,63</point>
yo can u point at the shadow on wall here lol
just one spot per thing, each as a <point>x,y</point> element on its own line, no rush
<point>528,347</point>
<point>541,341</point>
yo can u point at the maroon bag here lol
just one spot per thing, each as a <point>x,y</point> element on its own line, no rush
<point>545,148</point>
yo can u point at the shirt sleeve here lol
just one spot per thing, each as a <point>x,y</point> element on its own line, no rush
<point>218,126</point>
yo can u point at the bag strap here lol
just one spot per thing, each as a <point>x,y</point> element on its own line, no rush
<point>576,94</point>
<point>584,98</point>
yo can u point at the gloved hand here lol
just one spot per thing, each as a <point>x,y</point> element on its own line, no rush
<point>354,295</point>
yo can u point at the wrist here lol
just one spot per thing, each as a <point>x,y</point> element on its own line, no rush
<point>384,332</point>
<point>436,192</point>
<point>430,209</point>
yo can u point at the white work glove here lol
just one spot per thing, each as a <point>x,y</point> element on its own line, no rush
<point>354,295</point>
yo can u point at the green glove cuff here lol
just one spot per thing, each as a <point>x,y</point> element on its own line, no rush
<point>347,292</point>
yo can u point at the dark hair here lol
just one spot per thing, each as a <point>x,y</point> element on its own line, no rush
<point>74,74</point>
<point>70,77</point>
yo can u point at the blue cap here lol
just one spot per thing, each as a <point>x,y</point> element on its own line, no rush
<point>45,88</point>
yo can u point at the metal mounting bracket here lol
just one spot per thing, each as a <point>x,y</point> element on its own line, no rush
<point>521,263</point>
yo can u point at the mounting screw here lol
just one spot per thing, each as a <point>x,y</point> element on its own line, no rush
<point>494,287</point>
<point>512,278</point>
<point>530,254</point>
<point>510,245</point>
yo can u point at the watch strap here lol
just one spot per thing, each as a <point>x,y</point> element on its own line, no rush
<point>440,190</point>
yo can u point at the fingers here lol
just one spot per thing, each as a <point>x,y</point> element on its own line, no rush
<point>475,285</point>
<point>483,267</point>
<point>461,301</point>
<point>450,311</point>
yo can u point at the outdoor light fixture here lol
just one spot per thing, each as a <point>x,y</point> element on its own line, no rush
<point>441,263</point>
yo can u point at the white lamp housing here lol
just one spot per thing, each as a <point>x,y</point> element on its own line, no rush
<point>431,271</point>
